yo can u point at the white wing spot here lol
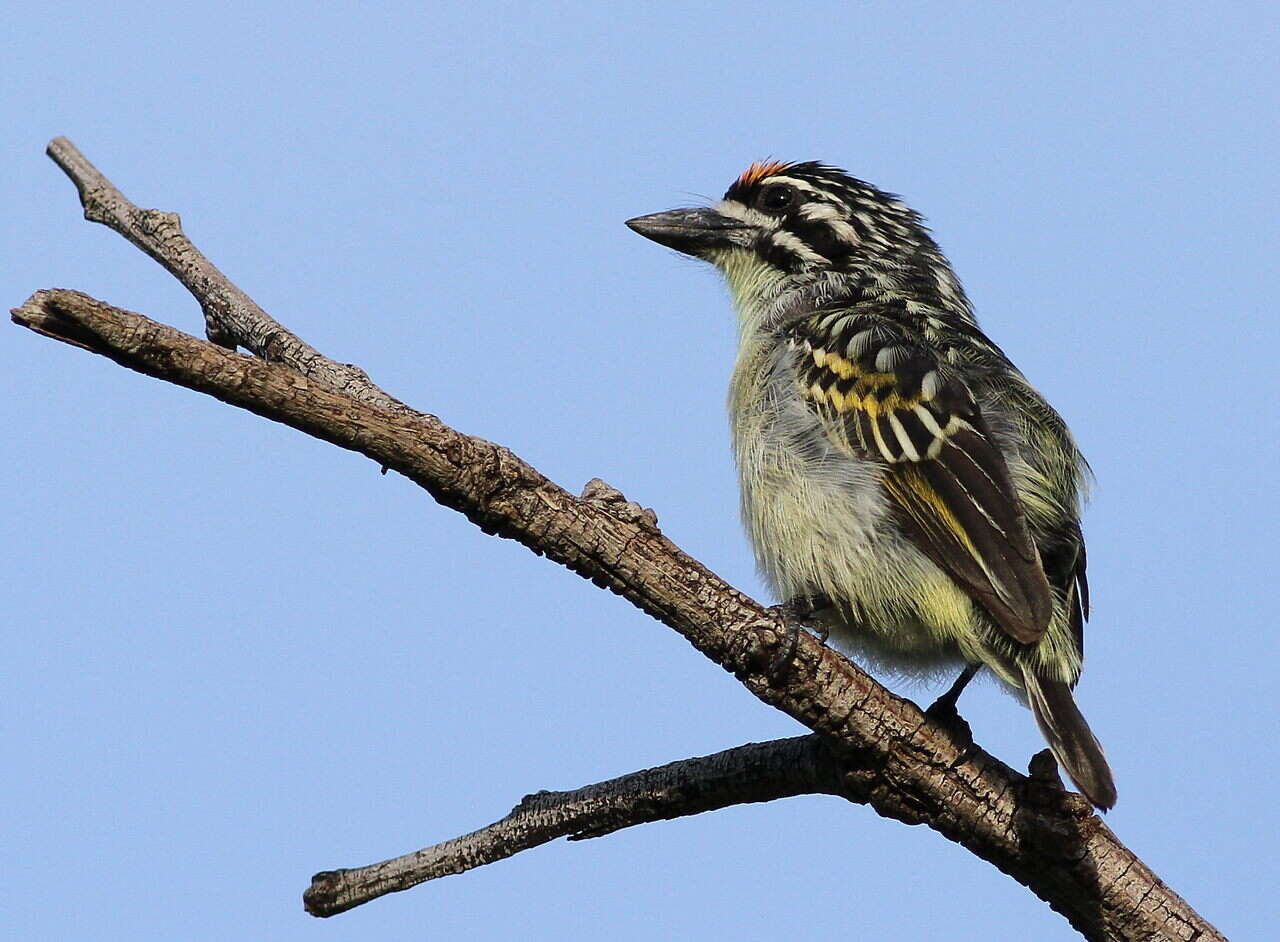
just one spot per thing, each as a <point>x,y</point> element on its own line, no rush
<point>890,357</point>
<point>859,344</point>
<point>930,385</point>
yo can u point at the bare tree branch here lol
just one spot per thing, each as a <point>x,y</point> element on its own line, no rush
<point>888,754</point>
<point>754,772</point>
<point>232,318</point>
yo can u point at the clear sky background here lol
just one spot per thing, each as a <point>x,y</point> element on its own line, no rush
<point>235,655</point>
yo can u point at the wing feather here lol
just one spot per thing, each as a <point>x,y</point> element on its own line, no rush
<point>885,397</point>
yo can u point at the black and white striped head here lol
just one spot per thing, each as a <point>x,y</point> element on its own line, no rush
<point>794,224</point>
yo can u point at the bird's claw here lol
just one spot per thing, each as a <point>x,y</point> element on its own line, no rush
<point>795,613</point>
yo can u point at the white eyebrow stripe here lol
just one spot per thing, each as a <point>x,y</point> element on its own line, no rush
<point>803,185</point>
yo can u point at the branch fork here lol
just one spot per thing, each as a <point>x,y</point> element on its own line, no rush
<point>866,745</point>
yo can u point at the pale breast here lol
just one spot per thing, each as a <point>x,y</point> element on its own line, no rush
<point>820,523</point>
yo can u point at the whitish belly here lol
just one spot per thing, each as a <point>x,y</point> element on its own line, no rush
<point>822,526</point>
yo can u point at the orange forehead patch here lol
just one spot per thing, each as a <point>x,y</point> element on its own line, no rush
<point>761,169</point>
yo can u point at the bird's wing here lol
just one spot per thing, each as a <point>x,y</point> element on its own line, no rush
<point>887,397</point>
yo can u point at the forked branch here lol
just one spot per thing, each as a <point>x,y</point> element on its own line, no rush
<point>869,745</point>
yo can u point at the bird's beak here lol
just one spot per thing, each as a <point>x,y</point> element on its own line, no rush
<point>692,231</point>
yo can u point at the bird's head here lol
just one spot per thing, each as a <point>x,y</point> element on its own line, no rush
<point>787,228</point>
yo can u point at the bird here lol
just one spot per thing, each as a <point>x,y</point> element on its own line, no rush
<point>903,485</point>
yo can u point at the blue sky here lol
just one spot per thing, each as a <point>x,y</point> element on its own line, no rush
<point>237,655</point>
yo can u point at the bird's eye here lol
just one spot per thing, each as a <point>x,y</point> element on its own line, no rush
<point>776,198</point>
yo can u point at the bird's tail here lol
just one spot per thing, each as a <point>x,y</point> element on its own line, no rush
<point>1069,736</point>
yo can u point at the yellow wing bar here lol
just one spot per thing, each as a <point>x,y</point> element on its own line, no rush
<point>884,396</point>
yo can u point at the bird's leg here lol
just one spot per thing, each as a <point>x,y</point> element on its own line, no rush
<point>947,702</point>
<point>943,710</point>
<point>795,613</point>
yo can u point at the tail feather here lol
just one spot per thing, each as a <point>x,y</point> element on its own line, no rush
<point>1069,736</point>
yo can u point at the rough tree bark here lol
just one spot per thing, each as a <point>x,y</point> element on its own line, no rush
<point>867,746</point>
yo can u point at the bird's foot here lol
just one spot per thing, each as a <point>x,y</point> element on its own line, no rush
<point>944,713</point>
<point>794,614</point>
